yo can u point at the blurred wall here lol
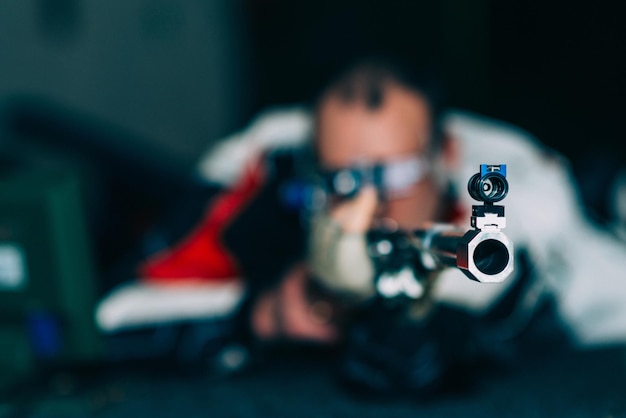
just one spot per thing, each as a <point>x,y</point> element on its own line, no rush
<point>298,44</point>
<point>558,70</point>
<point>173,74</point>
<point>179,74</point>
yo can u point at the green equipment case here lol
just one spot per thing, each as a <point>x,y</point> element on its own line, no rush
<point>47,278</point>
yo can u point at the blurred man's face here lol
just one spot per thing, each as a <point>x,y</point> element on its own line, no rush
<point>349,133</point>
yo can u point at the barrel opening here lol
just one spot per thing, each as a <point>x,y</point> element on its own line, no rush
<point>491,257</point>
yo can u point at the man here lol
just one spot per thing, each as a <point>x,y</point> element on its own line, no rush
<point>371,115</point>
<point>374,114</point>
<point>378,114</point>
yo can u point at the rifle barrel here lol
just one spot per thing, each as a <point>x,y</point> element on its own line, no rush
<point>482,255</point>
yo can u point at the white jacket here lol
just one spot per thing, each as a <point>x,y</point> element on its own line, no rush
<point>582,266</point>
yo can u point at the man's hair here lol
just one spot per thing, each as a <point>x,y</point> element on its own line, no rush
<point>366,80</point>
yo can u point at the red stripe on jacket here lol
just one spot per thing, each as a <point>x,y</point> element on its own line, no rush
<point>201,256</point>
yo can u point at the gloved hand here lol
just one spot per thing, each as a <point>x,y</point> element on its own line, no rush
<point>338,257</point>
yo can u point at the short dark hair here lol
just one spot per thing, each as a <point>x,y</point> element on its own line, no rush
<point>365,80</point>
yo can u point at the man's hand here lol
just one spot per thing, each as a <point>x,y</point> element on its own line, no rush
<point>338,255</point>
<point>287,312</point>
<point>355,215</point>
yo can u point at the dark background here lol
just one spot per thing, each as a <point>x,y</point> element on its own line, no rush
<point>553,68</point>
<point>177,76</point>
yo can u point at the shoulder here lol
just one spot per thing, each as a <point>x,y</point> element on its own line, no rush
<point>276,128</point>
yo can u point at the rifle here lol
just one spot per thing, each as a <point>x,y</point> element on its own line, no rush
<point>399,343</point>
<point>405,260</point>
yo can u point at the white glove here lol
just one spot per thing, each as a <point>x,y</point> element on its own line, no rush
<point>337,256</point>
